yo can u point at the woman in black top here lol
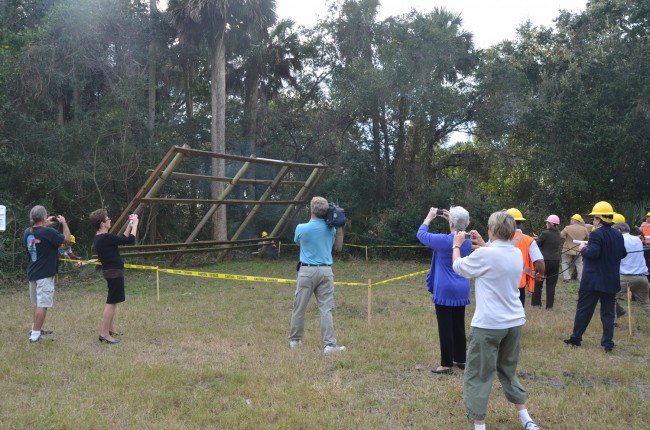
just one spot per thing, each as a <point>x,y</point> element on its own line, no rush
<point>106,246</point>
<point>549,243</point>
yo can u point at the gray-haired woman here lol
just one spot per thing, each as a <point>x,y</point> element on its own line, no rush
<point>450,291</point>
<point>498,320</point>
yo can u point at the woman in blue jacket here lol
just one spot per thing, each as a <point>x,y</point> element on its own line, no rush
<point>450,291</point>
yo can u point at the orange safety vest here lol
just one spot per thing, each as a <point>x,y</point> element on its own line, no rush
<point>645,231</point>
<point>523,242</point>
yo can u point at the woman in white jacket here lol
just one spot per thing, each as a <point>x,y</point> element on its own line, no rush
<point>498,320</point>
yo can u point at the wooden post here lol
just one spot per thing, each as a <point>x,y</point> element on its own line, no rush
<point>158,283</point>
<point>366,255</point>
<point>629,307</point>
<point>369,302</point>
<point>279,248</point>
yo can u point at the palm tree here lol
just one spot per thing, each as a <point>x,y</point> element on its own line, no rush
<point>269,61</point>
<point>216,21</point>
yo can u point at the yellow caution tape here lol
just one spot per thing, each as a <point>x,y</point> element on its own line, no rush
<point>241,277</point>
<point>136,266</point>
<point>227,276</point>
<point>422,272</point>
<point>351,284</point>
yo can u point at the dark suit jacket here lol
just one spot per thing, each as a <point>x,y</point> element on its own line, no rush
<point>602,261</point>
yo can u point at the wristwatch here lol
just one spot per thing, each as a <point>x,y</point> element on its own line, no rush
<point>455,246</point>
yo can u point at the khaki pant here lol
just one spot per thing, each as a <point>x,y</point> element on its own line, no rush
<point>492,352</point>
<point>639,286</point>
<point>570,262</point>
<point>320,282</point>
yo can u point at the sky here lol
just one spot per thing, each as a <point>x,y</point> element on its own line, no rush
<point>491,21</point>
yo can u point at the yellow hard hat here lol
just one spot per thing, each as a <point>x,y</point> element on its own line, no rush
<point>516,214</point>
<point>602,208</point>
<point>618,217</point>
<point>73,240</point>
<point>604,211</point>
<point>576,217</point>
<point>264,234</point>
<point>648,214</point>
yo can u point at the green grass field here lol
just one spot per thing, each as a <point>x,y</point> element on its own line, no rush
<point>215,354</point>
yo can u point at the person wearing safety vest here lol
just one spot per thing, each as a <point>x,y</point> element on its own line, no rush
<point>533,258</point>
<point>600,277</point>
<point>645,230</point>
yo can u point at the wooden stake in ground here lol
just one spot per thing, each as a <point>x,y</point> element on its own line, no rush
<point>629,307</point>
<point>369,302</point>
<point>158,283</point>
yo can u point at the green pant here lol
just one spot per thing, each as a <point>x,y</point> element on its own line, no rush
<point>490,352</point>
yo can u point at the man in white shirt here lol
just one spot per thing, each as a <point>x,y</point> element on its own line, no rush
<point>634,270</point>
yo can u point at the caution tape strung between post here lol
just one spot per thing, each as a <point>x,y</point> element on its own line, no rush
<point>410,275</point>
<point>241,277</point>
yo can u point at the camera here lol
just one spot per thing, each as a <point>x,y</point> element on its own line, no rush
<point>439,212</point>
<point>468,236</point>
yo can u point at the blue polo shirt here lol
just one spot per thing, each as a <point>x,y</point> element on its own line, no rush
<point>316,240</point>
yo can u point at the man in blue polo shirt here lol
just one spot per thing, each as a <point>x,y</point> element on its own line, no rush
<point>315,239</point>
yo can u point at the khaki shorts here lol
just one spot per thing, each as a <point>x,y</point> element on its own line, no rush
<point>41,292</point>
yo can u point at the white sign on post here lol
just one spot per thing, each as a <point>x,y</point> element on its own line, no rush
<point>3,218</point>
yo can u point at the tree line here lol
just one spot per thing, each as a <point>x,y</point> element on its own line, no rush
<point>93,93</point>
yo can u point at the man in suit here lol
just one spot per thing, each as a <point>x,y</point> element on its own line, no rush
<point>600,281</point>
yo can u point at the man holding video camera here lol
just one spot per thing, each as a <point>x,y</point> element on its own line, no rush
<point>315,239</point>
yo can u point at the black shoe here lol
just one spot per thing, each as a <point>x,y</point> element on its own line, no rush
<point>572,341</point>
<point>609,349</point>
<point>102,339</point>
<point>461,366</point>
<point>35,341</point>
<point>43,332</point>
<point>447,371</point>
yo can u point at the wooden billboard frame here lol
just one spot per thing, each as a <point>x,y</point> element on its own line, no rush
<point>167,171</point>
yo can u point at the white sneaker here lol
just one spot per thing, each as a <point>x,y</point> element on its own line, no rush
<point>530,425</point>
<point>295,343</point>
<point>328,349</point>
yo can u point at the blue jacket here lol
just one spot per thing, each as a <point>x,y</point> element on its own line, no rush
<point>602,261</point>
<point>448,287</point>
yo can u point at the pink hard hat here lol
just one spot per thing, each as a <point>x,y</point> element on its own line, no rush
<point>553,219</point>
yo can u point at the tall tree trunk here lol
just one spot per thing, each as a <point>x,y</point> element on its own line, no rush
<point>151,119</point>
<point>189,101</point>
<point>218,133</point>
<point>251,132</point>
<point>60,116</point>
<point>380,178</point>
